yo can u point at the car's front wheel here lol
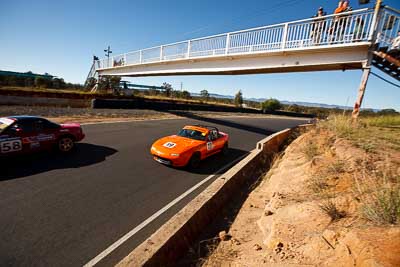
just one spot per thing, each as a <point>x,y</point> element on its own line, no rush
<point>225,149</point>
<point>65,144</point>
<point>194,161</point>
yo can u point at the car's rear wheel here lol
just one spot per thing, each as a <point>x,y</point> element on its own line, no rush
<point>194,161</point>
<point>65,144</point>
<point>225,149</point>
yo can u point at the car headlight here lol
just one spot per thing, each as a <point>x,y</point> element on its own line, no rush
<point>174,155</point>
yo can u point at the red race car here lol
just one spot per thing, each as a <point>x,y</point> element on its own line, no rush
<point>24,134</point>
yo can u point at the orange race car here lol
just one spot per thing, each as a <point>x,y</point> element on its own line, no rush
<point>191,145</point>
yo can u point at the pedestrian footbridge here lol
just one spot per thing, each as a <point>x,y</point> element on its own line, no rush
<point>351,40</point>
<point>333,42</point>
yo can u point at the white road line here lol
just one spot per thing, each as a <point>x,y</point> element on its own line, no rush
<point>131,233</point>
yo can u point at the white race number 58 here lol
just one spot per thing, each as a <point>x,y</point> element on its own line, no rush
<point>10,146</point>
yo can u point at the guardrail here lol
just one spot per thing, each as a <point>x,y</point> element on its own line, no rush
<point>344,28</point>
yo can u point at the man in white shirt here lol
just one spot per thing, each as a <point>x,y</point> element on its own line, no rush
<point>395,48</point>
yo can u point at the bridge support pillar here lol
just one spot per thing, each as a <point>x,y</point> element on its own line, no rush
<point>361,91</point>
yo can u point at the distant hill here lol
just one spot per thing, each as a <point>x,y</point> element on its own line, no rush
<point>285,102</point>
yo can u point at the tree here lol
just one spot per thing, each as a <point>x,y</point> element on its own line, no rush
<point>108,83</point>
<point>388,111</point>
<point>294,108</point>
<point>41,82</point>
<point>167,89</point>
<point>186,95</point>
<point>204,94</point>
<point>114,82</point>
<point>153,91</point>
<point>271,105</point>
<point>29,82</point>
<point>239,99</point>
<point>58,83</point>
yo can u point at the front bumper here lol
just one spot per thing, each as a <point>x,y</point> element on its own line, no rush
<point>162,160</point>
<point>175,162</point>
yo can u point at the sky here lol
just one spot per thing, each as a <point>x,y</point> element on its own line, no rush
<point>61,37</point>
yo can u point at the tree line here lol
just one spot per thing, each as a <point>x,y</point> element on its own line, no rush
<point>37,82</point>
<point>112,84</point>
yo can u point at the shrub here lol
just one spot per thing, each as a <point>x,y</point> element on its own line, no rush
<point>271,105</point>
<point>311,150</point>
<point>329,207</point>
<point>383,206</point>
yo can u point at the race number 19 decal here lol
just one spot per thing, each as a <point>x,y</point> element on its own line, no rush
<point>169,144</point>
<point>10,146</point>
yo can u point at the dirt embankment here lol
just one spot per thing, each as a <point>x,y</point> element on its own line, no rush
<point>329,200</point>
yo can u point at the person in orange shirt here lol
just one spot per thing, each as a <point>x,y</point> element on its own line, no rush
<point>337,29</point>
<point>340,7</point>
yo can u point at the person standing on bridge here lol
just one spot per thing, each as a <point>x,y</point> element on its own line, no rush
<point>318,26</point>
<point>395,47</point>
<point>339,22</point>
<point>358,33</point>
<point>335,22</point>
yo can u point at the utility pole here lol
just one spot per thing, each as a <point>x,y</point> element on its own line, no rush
<point>108,52</point>
<point>367,65</point>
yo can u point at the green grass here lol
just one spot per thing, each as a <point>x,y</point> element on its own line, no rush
<point>383,121</point>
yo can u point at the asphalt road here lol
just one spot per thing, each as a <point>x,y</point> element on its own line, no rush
<point>64,210</point>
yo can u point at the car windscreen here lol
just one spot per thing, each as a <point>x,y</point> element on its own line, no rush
<point>192,134</point>
<point>4,123</point>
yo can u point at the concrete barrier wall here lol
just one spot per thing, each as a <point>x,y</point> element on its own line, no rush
<point>174,238</point>
<point>44,101</point>
<point>142,103</point>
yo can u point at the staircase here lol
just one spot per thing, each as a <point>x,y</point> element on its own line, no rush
<point>387,30</point>
<point>92,74</point>
<point>387,64</point>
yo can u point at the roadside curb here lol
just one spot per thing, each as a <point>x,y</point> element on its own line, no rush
<point>173,239</point>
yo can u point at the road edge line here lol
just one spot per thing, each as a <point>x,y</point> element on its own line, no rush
<point>150,219</point>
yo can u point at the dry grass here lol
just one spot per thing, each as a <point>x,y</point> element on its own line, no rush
<point>369,134</point>
<point>330,208</point>
<point>383,206</point>
<point>318,184</point>
<point>47,90</point>
<point>311,150</point>
<point>141,95</point>
<point>337,167</point>
<point>377,185</point>
<point>383,121</point>
<point>379,194</point>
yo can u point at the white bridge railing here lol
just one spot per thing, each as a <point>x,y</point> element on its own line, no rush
<point>349,27</point>
<point>388,26</point>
